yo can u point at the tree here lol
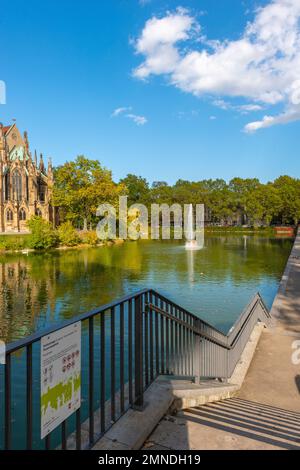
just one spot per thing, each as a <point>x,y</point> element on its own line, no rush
<point>80,186</point>
<point>288,190</point>
<point>138,189</point>
<point>241,189</point>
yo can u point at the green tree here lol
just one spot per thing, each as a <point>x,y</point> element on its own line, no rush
<point>138,189</point>
<point>288,190</point>
<point>80,186</point>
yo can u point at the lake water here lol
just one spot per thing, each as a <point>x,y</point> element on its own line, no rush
<point>215,283</point>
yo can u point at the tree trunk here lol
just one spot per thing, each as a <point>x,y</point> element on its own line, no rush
<point>85,224</point>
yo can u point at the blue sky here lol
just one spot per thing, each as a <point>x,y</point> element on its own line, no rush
<point>191,109</point>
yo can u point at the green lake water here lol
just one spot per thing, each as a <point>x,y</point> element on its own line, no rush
<point>214,283</point>
<point>37,290</point>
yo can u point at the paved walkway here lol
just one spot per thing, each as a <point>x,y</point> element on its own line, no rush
<point>266,413</point>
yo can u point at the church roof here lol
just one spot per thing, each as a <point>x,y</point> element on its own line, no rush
<point>6,128</point>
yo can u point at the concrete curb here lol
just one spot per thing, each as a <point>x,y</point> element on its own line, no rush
<point>281,292</point>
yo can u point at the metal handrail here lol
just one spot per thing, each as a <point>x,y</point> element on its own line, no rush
<point>155,336</point>
<point>22,343</point>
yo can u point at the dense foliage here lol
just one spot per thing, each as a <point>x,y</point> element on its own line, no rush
<point>239,202</point>
<point>67,234</point>
<point>80,187</point>
<point>42,236</point>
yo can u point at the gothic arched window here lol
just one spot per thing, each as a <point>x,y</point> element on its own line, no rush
<point>17,185</point>
<point>9,215</point>
<point>27,188</point>
<point>6,186</point>
<point>38,212</point>
<point>41,190</point>
<point>22,214</point>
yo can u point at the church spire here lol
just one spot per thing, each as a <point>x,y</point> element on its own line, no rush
<point>49,163</point>
<point>42,166</point>
<point>26,141</point>
<point>50,169</point>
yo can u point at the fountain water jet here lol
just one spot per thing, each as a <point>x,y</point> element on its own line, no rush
<point>191,243</point>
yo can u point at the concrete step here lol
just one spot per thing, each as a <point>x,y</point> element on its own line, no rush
<point>228,424</point>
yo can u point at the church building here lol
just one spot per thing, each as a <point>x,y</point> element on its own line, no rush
<point>25,183</point>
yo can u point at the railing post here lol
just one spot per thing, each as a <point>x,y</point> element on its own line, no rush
<point>138,347</point>
<point>227,365</point>
<point>196,359</point>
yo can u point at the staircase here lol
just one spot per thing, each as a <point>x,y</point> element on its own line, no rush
<point>229,424</point>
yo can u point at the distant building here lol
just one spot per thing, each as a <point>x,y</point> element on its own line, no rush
<point>25,184</point>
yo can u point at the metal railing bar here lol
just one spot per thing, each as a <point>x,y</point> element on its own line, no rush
<point>112,365</point>
<point>138,353</point>
<point>151,337</point>
<point>190,327</point>
<point>156,337</point>
<point>236,338</point>
<point>162,340</point>
<point>167,342</point>
<point>22,343</point>
<point>7,404</point>
<point>78,429</point>
<point>122,405</point>
<point>91,379</point>
<point>29,397</point>
<point>162,297</point>
<point>130,350</point>
<point>48,442</point>
<point>102,372</point>
<point>64,435</point>
<point>146,345</point>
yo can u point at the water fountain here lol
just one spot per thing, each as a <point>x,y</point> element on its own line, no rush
<point>191,243</point>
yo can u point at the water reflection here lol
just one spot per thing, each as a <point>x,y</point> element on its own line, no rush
<point>216,282</point>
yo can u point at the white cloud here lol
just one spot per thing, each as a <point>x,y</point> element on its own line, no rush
<point>139,120</point>
<point>247,108</point>
<point>262,66</point>
<point>268,121</point>
<point>119,111</point>
<point>222,104</point>
<point>243,108</point>
<point>157,42</point>
<point>126,112</point>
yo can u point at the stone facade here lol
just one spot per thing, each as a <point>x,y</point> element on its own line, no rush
<point>25,184</point>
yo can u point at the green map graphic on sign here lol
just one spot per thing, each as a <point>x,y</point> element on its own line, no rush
<point>60,394</point>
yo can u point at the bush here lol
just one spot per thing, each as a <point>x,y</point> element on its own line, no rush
<point>68,235</point>
<point>89,237</point>
<point>14,242</point>
<point>42,235</point>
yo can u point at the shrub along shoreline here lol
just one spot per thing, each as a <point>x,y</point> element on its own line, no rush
<point>44,237</point>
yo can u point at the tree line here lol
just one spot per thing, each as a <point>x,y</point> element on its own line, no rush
<point>81,185</point>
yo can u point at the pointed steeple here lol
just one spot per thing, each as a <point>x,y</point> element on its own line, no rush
<point>35,158</point>
<point>49,164</point>
<point>42,166</point>
<point>50,169</point>
<point>26,141</point>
